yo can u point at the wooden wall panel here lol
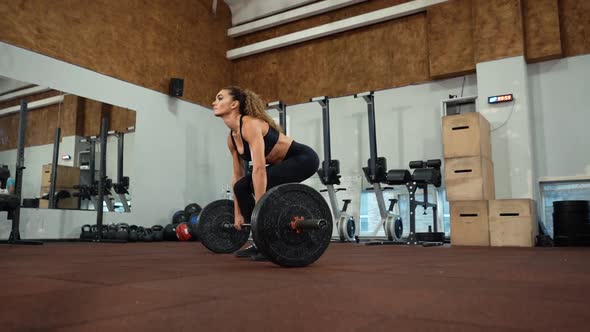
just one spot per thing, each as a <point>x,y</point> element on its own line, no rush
<point>120,119</point>
<point>8,132</point>
<point>37,128</point>
<point>75,116</point>
<point>381,56</point>
<point>52,119</point>
<point>67,117</point>
<point>92,112</point>
<point>541,29</point>
<point>450,38</point>
<point>498,29</point>
<point>41,124</point>
<point>574,18</point>
<point>143,42</point>
<point>328,17</point>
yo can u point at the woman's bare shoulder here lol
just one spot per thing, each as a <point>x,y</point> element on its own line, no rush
<point>253,124</point>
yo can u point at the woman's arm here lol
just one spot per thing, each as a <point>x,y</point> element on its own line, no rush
<point>237,173</point>
<point>252,132</point>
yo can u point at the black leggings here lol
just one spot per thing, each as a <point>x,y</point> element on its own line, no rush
<point>300,163</point>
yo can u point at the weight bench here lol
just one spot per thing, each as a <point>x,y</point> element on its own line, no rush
<point>425,173</point>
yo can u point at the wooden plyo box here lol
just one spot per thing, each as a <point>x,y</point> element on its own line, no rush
<point>513,223</point>
<point>466,135</point>
<point>469,179</point>
<point>469,223</point>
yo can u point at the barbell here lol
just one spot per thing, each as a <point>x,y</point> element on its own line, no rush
<point>291,226</point>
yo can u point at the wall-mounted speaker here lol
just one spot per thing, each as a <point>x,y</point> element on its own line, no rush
<point>176,87</point>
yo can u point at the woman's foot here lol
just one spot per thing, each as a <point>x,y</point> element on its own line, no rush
<point>248,252</point>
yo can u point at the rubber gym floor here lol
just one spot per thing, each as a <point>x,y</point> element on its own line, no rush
<point>171,286</point>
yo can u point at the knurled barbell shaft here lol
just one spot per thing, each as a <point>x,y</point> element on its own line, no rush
<point>299,224</point>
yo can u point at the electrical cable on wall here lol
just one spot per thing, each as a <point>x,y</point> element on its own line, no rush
<point>505,121</point>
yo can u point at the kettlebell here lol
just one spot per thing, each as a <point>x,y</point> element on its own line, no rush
<point>133,234</point>
<point>158,233</point>
<point>111,232</point>
<point>144,234</point>
<point>93,232</point>
<point>122,232</point>
<point>86,233</point>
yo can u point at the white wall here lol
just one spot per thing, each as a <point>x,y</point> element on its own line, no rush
<point>176,143</point>
<point>35,157</point>
<point>511,126</point>
<point>559,93</point>
<point>7,84</point>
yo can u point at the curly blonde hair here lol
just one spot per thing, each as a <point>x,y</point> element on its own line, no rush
<point>251,104</point>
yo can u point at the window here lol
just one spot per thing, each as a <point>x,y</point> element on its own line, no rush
<point>566,190</point>
<point>370,218</point>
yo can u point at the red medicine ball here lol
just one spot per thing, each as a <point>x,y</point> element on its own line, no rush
<point>182,232</point>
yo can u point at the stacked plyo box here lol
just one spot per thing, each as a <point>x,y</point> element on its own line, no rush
<point>67,178</point>
<point>469,177</point>
<point>477,218</point>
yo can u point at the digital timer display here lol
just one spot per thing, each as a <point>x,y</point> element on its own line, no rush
<point>500,99</point>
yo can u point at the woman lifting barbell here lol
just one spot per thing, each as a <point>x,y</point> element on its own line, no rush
<point>255,136</point>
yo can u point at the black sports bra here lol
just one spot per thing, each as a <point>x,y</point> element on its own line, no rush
<point>270,140</point>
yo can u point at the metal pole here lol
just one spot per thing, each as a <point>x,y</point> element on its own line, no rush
<point>52,185</point>
<point>283,117</point>
<point>327,149</point>
<point>121,141</point>
<point>102,174</point>
<point>14,237</point>
<point>20,158</point>
<point>20,166</point>
<point>92,161</point>
<point>372,134</point>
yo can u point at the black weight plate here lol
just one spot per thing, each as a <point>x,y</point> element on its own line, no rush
<point>270,225</point>
<point>399,228</point>
<point>350,228</point>
<point>192,208</point>
<point>430,237</point>
<point>571,206</point>
<point>210,228</point>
